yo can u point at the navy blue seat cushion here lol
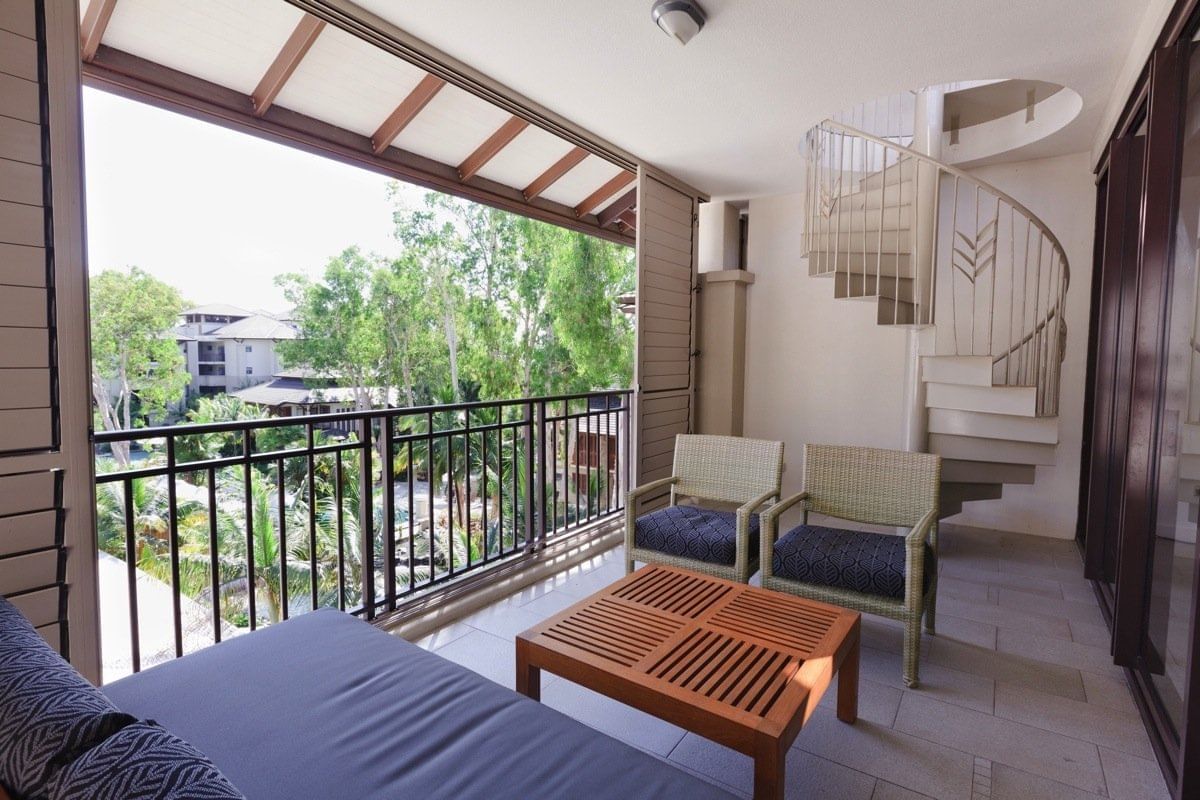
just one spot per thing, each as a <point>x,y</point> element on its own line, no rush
<point>871,563</point>
<point>145,761</point>
<point>48,713</point>
<point>694,532</point>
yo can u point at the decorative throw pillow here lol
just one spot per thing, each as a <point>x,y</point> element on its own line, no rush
<point>48,712</point>
<point>144,761</point>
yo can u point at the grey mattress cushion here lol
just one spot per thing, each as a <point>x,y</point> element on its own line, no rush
<point>327,706</point>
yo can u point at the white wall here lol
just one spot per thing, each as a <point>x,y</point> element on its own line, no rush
<point>1063,193</point>
<point>817,369</point>
<point>262,359</point>
<point>821,370</point>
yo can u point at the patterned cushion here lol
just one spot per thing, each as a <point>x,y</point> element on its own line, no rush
<point>144,761</point>
<point>871,563</point>
<point>694,532</point>
<point>48,712</point>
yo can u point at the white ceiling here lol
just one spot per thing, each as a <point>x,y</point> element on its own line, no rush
<point>727,112</point>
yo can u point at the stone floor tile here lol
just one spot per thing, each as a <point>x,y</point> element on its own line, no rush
<point>1132,778</point>
<point>911,762</point>
<point>1091,634</point>
<point>950,685</point>
<point>807,775</point>
<point>1081,720</point>
<point>996,578</point>
<point>890,791</point>
<point>550,604</point>
<point>1009,783</point>
<point>491,656</point>
<point>876,702</point>
<point>1040,752</point>
<point>613,718</point>
<point>504,621</point>
<point>1066,609</point>
<point>969,631</point>
<point>1017,668</point>
<point>444,635</point>
<point>949,586</point>
<point>1110,691</point>
<point>1053,650</point>
<point>1005,617</point>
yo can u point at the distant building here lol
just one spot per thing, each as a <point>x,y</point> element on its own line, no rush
<point>229,348</point>
<point>299,392</point>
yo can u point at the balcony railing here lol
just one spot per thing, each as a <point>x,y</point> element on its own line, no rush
<point>225,527</point>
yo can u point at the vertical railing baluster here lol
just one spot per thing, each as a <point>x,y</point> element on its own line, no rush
<point>429,483</point>
<point>248,488</point>
<point>214,558</point>
<point>131,575</point>
<point>173,546</point>
<point>340,524</point>
<point>389,510</point>
<point>483,483</point>
<point>313,569</point>
<point>954,270</point>
<point>281,500</point>
<point>451,496</point>
<point>529,477</point>
<point>366,511</point>
<point>412,529</point>
<point>1013,333</point>
<point>554,448</point>
<point>540,433</point>
<point>466,501</point>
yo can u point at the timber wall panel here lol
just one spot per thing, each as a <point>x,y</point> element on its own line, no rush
<point>22,266</point>
<point>26,429</point>
<point>24,348</point>
<point>17,16</point>
<point>21,182</point>
<point>22,224</point>
<point>18,56</point>
<point>24,532</point>
<point>24,388</point>
<point>27,492</point>
<point>30,571</point>
<point>20,99</point>
<point>665,333</point>
<point>23,307</point>
<point>39,607</point>
<point>20,141</point>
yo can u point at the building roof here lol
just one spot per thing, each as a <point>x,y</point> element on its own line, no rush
<point>291,391</point>
<point>256,326</point>
<point>217,310</point>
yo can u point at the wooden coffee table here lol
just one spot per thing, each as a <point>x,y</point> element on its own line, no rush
<point>740,665</point>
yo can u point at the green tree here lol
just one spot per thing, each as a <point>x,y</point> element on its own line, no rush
<point>135,357</point>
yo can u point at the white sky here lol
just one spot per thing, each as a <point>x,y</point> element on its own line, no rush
<point>217,213</point>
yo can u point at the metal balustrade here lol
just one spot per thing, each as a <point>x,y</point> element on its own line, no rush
<point>249,522</point>
<point>934,243</point>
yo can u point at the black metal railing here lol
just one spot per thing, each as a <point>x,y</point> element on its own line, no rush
<point>245,523</point>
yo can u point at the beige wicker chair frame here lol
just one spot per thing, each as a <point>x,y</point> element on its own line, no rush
<point>724,469</point>
<point>883,487</point>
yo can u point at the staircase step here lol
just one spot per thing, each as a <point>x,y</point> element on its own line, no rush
<point>893,174</point>
<point>1037,430</point>
<point>959,493</point>
<point>894,196</point>
<point>886,264</point>
<point>898,312</point>
<point>891,219</point>
<point>852,284</point>
<point>963,370</point>
<point>978,448</point>
<point>1016,400</point>
<point>871,240</point>
<point>958,471</point>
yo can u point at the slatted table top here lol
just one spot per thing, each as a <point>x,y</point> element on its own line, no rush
<point>723,659</point>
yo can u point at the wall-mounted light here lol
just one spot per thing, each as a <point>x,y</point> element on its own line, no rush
<point>679,19</point>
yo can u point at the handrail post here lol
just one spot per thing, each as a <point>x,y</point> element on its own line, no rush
<point>540,483</point>
<point>389,511</point>
<point>366,515</point>
<point>528,462</point>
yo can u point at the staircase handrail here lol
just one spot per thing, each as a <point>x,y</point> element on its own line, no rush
<point>964,175</point>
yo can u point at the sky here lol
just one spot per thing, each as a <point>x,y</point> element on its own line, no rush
<point>217,213</point>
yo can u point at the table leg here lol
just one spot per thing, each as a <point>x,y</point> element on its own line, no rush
<point>769,758</point>
<point>847,699</point>
<point>529,677</point>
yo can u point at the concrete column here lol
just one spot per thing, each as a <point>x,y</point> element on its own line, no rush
<point>927,139</point>
<point>721,338</point>
<point>718,244</point>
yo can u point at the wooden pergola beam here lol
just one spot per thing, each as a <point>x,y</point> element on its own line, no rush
<point>285,63</point>
<point>406,112</point>
<point>617,207</point>
<point>561,167</point>
<point>134,77</point>
<point>491,148</point>
<point>628,219</point>
<point>611,187</point>
<point>91,29</point>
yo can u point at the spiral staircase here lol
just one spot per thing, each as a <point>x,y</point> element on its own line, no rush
<point>980,279</point>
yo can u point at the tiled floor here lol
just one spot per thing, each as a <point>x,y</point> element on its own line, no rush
<point>1018,697</point>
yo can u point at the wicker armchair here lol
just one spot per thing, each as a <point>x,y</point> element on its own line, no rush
<point>725,469</point>
<point>892,576</point>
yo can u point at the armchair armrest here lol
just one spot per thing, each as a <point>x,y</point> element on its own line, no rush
<point>920,532</point>
<point>768,523</point>
<point>745,509</point>
<point>771,516</point>
<point>646,488</point>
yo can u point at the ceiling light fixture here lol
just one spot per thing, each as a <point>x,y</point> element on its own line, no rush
<point>679,19</point>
